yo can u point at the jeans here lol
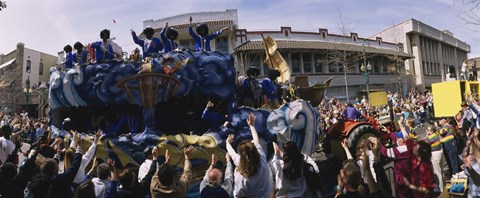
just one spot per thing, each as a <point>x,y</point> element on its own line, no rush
<point>450,151</point>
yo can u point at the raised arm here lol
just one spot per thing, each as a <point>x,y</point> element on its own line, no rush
<point>91,150</point>
<point>190,30</point>
<point>204,182</point>
<point>346,149</point>
<point>231,151</point>
<point>228,181</point>
<point>136,39</point>
<point>187,169</point>
<point>403,130</point>
<point>163,36</point>
<point>251,123</point>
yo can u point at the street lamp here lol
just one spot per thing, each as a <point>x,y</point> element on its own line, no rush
<point>27,91</point>
<point>366,73</point>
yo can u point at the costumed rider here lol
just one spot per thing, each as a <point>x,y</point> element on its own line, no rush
<point>269,87</point>
<point>68,56</point>
<point>169,35</point>
<point>80,55</point>
<point>106,50</point>
<point>151,46</point>
<point>250,88</point>
<point>214,113</point>
<point>202,38</point>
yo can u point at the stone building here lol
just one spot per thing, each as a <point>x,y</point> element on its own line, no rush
<point>434,50</point>
<point>18,67</point>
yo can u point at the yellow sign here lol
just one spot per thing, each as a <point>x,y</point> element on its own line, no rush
<point>448,96</point>
<point>378,98</point>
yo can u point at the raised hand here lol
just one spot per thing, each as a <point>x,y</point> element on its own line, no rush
<point>228,158</point>
<point>214,160</point>
<point>167,156</point>
<point>187,151</point>
<point>230,138</point>
<point>98,135</point>
<point>251,119</point>
<point>155,153</point>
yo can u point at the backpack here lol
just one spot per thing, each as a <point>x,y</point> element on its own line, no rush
<point>314,183</point>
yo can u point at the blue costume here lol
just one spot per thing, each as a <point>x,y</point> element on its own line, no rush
<point>80,58</point>
<point>103,51</point>
<point>69,60</point>
<point>168,44</point>
<point>270,88</point>
<point>149,47</point>
<point>203,43</point>
<point>249,87</point>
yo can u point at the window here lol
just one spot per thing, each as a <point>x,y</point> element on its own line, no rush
<point>222,44</point>
<point>40,69</point>
<point>29,66</point>
<point>318,63</point>
<point>332,67</point>
<point>307,63</point>
<point>295,63</point>
<point>340,67</point>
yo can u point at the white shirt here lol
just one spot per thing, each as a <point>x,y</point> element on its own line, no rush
<point>6,148</point>
<point>286,187</point>
<point>144,168</point>
<point>101,186</point>
<point>86,158</point>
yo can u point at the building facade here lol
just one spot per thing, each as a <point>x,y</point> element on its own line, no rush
<point>22,68</point>
<point>434,51</point>
<point>410,54</point>
<point>320,55</point>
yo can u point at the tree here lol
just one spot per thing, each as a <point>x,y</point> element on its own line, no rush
<point>3,5</point>
<point>469,11</point>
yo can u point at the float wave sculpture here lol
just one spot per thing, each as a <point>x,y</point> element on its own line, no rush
<point>196,75</point>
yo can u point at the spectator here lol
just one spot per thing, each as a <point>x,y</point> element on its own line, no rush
<point>85,190</point>
<point>48,183</point>
<point>421,181</point>
<point>449,145</point>
<point>163,183</point>
<point>289,178</point>
<point>212,185</point>
<point>252,175</point>
<point>104,187</point>
<point>351,113</point>
<point>6,145</point>
<point>132,188</point>
<point>437,153</point>
<point>85,158</point>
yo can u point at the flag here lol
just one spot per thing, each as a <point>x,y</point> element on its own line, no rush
<point>275,60</point>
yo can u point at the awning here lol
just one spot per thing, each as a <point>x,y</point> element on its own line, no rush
<point>7,63</point>
<point>318,45</point>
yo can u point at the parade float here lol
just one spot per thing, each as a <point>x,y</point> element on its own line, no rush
<point>172,101</point>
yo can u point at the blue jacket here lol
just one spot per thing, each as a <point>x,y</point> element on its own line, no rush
<point>69,60</point>
<point>148,48</point>
<point>351,113</point>
<point>249,86</point>
<point>203,43</point>
<point>169,45</point>
<point>270,88</point>
<point>80,59</point>
<point>103,53</point>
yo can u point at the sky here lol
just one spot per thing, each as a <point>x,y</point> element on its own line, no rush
<point>48,25</point>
